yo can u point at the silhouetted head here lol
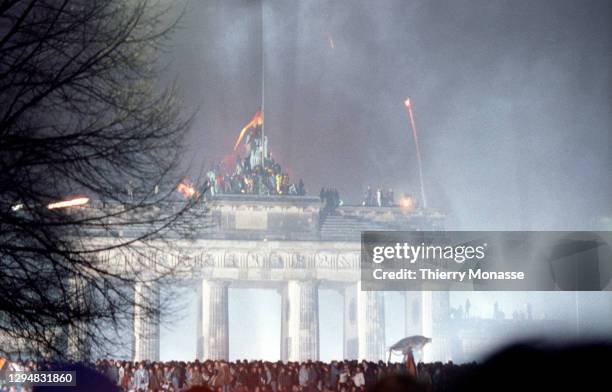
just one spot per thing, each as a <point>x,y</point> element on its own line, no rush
<point>526,366</point>
<point>398,383</point>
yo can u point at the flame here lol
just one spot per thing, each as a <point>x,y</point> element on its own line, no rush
<point>186,190</point>
<point>255,121</point>
<point>407,203</point>
<point>407,102</point>
<point>79,201</point>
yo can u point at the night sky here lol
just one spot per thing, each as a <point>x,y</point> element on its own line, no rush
<point>513,103</point>
<point>512,99</point>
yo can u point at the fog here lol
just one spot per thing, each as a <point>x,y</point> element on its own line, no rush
<point>512,101</point>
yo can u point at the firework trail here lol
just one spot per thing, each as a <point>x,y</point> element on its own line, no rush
<point>408,106</point>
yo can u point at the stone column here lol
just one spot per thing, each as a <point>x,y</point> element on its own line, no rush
<point>300,321</point>
<point>78,334</point>
<point>146,322</point>
<point>350,336</point>
<point>435,325</point>
<point>413,309</point>
<point>371,324</point>
<point>213,324</point>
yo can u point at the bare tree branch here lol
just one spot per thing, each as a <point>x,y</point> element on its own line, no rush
<point>82,113</point>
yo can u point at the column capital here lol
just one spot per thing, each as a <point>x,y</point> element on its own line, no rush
<point>310,283</point>
<point>217,283</point>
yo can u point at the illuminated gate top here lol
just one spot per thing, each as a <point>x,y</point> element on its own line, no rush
<point>256,238</point>
<point>276,238</point>
<point>301,218</point>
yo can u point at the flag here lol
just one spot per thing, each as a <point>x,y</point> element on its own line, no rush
<point>255,121</point>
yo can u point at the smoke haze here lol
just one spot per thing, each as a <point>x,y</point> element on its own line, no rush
<point>512,101</point>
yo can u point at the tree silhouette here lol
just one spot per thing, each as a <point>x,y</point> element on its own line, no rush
<point>83,114</point>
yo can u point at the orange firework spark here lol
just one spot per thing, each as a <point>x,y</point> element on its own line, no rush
<point>407,203</point>
<point>255,121</point>
<point>79,201</point>
<point>186,190</point>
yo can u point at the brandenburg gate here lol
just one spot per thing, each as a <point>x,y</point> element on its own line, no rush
<point>288,244</point>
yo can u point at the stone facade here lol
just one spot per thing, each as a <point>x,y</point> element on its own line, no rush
<point>282,242</point>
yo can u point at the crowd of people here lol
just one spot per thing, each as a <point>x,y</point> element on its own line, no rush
<point>378,198</point>
<point>521,366</point>
<point>261,376</point>
<point>330,199</point>
<point>268,179</point>
<point>257,173</point>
